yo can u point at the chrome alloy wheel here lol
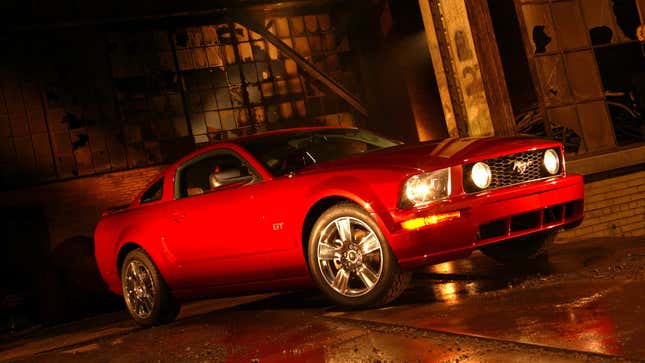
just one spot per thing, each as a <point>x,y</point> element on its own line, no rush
<point>139,289</point>
<point>350,256</point>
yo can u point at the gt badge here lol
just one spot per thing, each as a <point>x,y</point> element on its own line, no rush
<point>278,226</point>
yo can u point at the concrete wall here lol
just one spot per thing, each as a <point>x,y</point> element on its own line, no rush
<point>72,208</point>
<point>614,207</point>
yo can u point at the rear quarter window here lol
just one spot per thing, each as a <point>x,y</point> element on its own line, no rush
<point>154,193</point>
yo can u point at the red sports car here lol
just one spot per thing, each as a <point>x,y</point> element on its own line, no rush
<point>341,208</point>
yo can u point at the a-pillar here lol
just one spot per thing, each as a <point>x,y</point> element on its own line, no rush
<point>468,68</point>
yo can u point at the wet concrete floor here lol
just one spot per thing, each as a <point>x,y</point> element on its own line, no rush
<point>585,303</point>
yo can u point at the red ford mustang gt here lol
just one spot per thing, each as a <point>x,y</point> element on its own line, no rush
<point>341,208</point>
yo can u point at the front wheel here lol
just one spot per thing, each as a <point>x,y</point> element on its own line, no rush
<point>145,292</point>
<point>350,260</point>
<point>521,249</point>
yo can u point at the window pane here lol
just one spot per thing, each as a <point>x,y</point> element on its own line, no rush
<point>600,21</point>
<point>596,127</point>
<point>553,80</point>
<point>569,24</point>
<point>565,127</point>
<point>540,28</point>
<point>583,76</point>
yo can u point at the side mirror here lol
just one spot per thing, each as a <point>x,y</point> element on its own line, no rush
<point>229,176</point>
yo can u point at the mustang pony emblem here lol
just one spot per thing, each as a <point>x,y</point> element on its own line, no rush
<point>521,166</point>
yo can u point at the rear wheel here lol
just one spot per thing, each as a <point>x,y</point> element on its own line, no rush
<point>146,294</point>
<point>520,249</point>
<point>350,259</point>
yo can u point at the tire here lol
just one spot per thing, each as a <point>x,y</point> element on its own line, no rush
<point>146,294</point>
<point>521,249</point>
<point>350,260</point>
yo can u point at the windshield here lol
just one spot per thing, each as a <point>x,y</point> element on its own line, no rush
<point>283,153</point>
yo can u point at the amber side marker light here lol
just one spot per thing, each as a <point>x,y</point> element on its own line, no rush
<point>417,223</point>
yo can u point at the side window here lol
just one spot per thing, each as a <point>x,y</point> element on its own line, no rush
<point>213,172</point>
<point>154,193</point>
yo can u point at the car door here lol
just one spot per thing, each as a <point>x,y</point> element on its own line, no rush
<point>214,225</point>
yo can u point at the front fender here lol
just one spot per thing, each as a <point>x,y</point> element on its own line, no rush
<point>356,190</point>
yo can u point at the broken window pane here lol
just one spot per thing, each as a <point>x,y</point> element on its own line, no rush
<point>540,28</point>
<point>569,24</point>
<point>241,34</point>
<point>583,77</point>
<point>627,16</point>
<point>246,55</point>
<point>553,80</point>
<point>599,19</point>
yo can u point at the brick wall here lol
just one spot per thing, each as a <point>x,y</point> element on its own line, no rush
<point>614,207</point>
<point>73,207</point>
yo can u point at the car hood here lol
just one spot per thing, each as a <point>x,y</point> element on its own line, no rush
<point>437,154</point>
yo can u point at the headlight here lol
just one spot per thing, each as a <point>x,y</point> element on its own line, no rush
<point>551,161</point>
<point>424,188</point>
<point>481,175</point>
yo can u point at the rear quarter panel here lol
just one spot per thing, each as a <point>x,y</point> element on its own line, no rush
<point>139,225</point>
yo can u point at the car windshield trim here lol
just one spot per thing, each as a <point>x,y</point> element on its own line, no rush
<point>291,151</point>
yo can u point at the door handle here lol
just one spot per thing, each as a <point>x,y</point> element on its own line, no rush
<point>177,217</point>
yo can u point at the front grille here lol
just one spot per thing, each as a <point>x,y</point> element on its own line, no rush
<point>511,169</point>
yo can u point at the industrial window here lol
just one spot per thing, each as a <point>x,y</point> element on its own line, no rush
<point>144,95</point>
<point>589,71</point>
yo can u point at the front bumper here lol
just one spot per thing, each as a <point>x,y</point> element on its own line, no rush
<point>486,218</point>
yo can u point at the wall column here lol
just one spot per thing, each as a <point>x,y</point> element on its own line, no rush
<point>467,66</point>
